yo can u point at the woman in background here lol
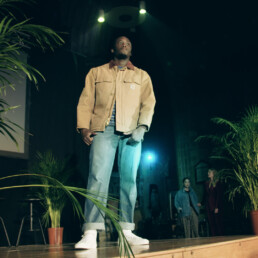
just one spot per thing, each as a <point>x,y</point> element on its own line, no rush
<point>214,203</point>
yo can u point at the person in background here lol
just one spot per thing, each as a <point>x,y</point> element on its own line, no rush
<point>186,203</point>
<point>214,203</point>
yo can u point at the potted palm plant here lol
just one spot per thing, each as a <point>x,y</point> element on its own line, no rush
<point>238,146</point>
<point>52,199</point>
<point>54,175</point>
<point>124,247</point>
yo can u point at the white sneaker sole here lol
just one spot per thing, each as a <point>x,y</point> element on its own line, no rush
<point>141,243</point>
<point>85,247</point>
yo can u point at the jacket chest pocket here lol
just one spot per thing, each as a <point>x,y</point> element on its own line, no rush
<point>103,86</point>
<point>132,87</point>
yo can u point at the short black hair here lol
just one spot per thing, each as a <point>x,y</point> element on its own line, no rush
<point>185,178</point>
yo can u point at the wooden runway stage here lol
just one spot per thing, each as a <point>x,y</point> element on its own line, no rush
<point>208,247</point>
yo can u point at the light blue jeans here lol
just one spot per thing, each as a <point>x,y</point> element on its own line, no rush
<point>102,156</point>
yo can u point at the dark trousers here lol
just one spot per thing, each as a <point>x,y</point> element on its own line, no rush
<point>215,223</point>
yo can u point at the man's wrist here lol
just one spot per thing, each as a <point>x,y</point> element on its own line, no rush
<point>82,129</point>
<point>143,127</point>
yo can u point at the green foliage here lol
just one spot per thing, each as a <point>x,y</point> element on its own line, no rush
<point>53,199</point>
<point>124,247</point>
<point>17,36</point>
<point>239,147</point>
<point>54,174</point>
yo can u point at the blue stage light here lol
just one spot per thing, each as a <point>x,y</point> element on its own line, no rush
<point>150,156</point>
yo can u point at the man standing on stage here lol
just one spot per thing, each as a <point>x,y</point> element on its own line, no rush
<point>114,111</point>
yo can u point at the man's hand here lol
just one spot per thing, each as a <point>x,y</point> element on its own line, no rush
<point>216,211</point>
<point>137,135</point>
<point>87,135</point>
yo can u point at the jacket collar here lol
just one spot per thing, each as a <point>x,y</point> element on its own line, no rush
<point>128,65</point>
<point>185,190</point>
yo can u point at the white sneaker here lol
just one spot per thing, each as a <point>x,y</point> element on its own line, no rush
<point>88,241</point>
<point>133,239</point>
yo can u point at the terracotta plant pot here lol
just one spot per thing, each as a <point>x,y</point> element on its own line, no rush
<point>254,219</point>
<point>55,236</point>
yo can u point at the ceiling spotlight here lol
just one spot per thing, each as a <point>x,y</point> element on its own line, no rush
<point>142,7</point>
<point>101,16</point>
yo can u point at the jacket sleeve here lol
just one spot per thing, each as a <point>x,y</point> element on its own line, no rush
<point>148,101</point>
<point>176,201</point>
<point>86,102</point>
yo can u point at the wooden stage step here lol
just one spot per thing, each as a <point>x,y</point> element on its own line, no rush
<point>208,247</point>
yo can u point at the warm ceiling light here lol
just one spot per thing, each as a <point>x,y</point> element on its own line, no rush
<point>101,16</point>
<point>142,7</point>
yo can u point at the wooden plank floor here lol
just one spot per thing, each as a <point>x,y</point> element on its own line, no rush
<point>210,247</point>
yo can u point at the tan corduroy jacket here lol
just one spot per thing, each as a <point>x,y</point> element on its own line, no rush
<point>131,89</point>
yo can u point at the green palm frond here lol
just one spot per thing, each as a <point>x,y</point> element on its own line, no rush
<point>124,247</point>
<point>54,199</point>
<point>16,37</point>
<point>222,121</point>
<point>238,145</point>
<point>12,3</point>
<point>7,7</point>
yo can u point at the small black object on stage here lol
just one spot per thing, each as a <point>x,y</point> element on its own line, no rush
<point>31,217</point>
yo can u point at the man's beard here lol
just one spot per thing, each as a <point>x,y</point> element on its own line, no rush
<point>120,56</point>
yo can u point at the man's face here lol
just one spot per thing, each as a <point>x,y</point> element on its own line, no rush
<point>187,183</point>
<point>123,48</point>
